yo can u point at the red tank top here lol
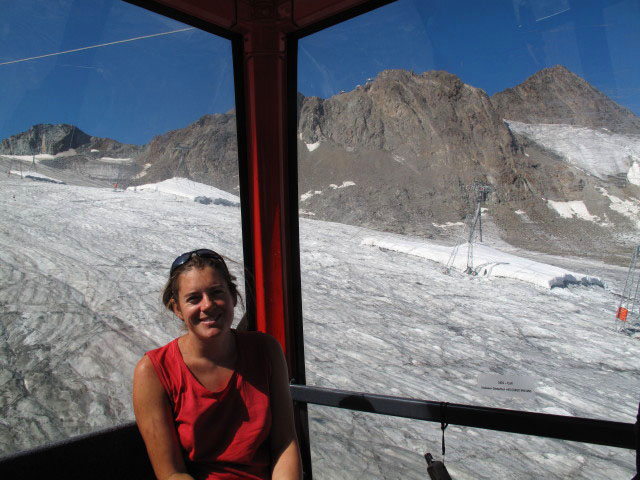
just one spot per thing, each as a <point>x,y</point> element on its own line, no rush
<point>224,435</point>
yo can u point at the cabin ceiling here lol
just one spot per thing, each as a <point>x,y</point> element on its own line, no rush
<point>240,16</point>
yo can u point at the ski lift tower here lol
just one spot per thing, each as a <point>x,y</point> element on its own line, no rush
<point>13,161</point>
<point>43,149</point>
<point>184,149</point>
<point>481,193</point>
<point>629,308</point>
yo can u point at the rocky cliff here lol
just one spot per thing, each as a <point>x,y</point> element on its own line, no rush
<point>44,138</point>
<point>556,95</point>
<point>66,147</point>
<point>412,147</point>
<point>415,146</point>
<point>206,151</point>
<point>50,139</point>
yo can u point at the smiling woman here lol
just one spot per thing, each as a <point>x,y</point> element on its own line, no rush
<point>214,403</point>
<point>204,302</point>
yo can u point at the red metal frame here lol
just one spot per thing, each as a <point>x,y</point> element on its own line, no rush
<point>264,26</point>
<point>266,82</point>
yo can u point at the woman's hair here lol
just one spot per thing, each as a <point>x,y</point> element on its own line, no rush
<point>170,291</point>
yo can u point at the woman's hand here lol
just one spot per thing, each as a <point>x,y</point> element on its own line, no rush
<point>155,422</point>
<point>286,464</point>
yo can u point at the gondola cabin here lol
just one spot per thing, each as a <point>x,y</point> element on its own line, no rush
<point>431,204</point>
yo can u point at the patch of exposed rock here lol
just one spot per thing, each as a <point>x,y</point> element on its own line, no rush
<point>414,146</point>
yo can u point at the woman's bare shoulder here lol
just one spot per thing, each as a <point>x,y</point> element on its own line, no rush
<point>144,366</point>
<point>145,376</point>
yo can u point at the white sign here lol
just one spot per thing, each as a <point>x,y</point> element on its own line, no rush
<point>507,385</point>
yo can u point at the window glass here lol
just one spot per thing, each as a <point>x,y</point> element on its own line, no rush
<point>118,152</point>
<point>469,192</point>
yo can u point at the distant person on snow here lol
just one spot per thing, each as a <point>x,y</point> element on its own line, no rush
<point>215,402</point>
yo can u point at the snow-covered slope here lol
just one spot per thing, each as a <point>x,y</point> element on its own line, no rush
<point>183,187</point>
<point>597,152</point>
<point>34,176</point>
<point>487,262</point>
<point>81,271</point>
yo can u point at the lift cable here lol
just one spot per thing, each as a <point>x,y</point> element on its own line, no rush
<point>96,46</point>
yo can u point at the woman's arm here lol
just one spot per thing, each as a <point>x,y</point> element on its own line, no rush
<point>285,454</point>
<point>155,421</point>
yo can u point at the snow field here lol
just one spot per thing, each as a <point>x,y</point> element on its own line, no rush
<point>595,151</point>
<point>81,271</point>
<point>488,262</point>
<point>183,187</point>
<point>573,209</point>
<point>332,186</point>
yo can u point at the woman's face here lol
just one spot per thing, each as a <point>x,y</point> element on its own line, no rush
<point>204,302</point>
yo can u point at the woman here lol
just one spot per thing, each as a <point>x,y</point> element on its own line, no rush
<point>214,403</point>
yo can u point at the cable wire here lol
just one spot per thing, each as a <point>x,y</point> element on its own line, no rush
<point>96,46</point>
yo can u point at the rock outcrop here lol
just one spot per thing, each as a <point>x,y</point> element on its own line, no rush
<point>412,147</point>
<point>415,146</point>
<point>556,95</point>
<point>66,147</point>
<point>44,138</point>
<point>205,151</point>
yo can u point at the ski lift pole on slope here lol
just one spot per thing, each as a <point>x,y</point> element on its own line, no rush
<point>182,165</point>
<point>481,195</point>
<point>17,163</point>
<point>629,301</point>
<point>474,225</point>
<point>452,258</point>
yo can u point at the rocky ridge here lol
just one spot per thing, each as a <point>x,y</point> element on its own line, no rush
<point>557,95</point>
<point>56,139</point>
<point>403,153</point>
<point>410,142</point>
<point>206,150</point>
<point>66,147</point>
<point>415,146</point>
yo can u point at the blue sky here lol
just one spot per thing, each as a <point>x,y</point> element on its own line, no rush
<point>491,44</point>
<point>133,90</point>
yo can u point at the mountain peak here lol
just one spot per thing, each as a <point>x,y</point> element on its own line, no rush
<point>44,138</point>
<point>555,70</point>
<point>558,96</point>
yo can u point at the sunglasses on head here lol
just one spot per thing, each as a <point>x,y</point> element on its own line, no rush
<point>201,252</point>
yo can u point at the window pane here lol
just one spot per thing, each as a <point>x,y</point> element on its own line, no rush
<point>469,199</point>
<point>362,445</point>
<point>112,124</point>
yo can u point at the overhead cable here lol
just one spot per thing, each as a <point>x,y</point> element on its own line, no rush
<point>96,46</point>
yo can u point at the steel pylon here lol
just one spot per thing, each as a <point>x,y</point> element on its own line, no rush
<point>628,312</point>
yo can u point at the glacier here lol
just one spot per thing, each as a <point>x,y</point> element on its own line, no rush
<point>81,270</point>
